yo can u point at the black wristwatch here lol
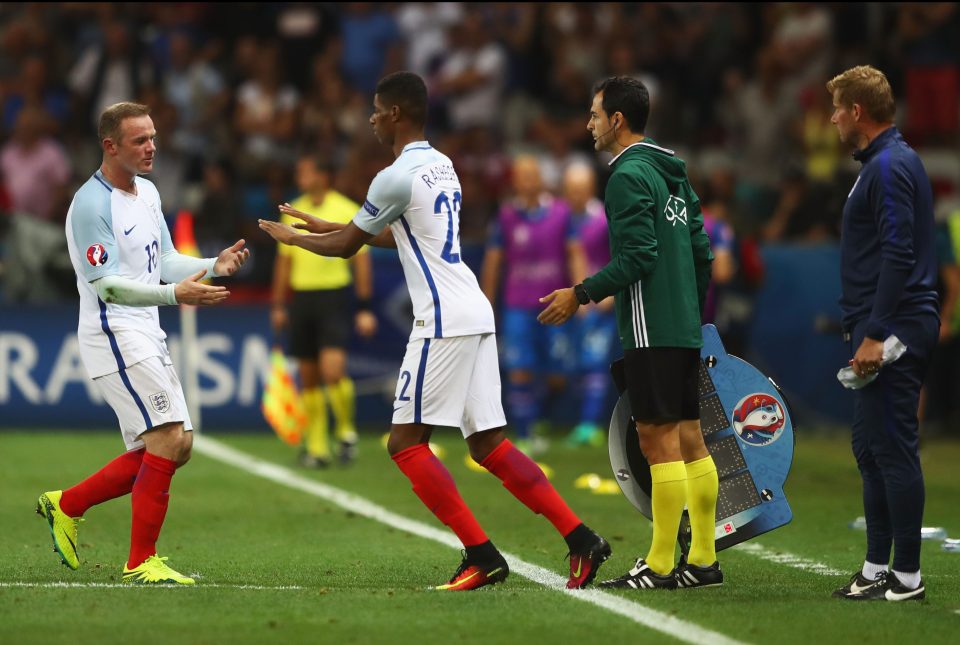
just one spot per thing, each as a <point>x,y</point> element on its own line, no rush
<point>582,296</point>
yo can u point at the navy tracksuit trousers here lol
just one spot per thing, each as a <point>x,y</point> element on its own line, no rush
<point>886,441</point>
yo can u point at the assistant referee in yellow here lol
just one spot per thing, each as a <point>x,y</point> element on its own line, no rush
<point>319,315</point>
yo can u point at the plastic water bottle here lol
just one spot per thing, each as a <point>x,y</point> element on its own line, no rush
<point>952,546</point>
<point>859,524</point>
<point>933,533</point>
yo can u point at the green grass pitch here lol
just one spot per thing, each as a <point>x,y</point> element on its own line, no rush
<point>280,565</point>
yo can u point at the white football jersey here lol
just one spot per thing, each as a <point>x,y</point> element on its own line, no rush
<point>113,232</point>
<point>419,197</point>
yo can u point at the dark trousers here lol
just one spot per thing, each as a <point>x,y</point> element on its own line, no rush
<point>885,444</point>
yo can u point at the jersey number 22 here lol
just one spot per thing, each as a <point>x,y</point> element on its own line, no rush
<point>453,222</point>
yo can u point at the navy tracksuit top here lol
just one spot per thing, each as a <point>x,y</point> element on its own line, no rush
<point>888,261</point>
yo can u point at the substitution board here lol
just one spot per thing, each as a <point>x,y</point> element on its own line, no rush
<point>747,427</point>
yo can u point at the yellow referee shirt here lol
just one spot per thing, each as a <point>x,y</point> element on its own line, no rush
<point>309,271</point>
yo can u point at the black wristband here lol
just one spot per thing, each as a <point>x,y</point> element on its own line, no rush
<point>364,304</point>
<point>581,293</point>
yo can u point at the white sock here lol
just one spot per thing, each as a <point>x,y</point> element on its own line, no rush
<point>908,580</point>
<point>870,570</point>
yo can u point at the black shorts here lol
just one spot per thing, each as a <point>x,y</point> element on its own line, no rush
<point>662,383</point>
<point>319,319</point>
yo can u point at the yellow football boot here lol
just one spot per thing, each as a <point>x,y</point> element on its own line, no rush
<point>154,571</point>
<point>63,528</point>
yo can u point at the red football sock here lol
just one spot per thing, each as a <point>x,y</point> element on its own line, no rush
<point>113,480</point>
<point>523,477</point>
<point>435,487</point>
<point>151,493</point>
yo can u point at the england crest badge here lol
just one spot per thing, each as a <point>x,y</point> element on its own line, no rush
<point>160,402</point>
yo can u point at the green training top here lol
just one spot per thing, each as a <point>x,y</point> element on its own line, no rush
<point>660,255</point>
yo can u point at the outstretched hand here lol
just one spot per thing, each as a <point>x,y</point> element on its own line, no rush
<point>190,291</point>
<point>231,259</point>
<point>308,222</point>
<point>282,233</point>
<point>562,304</point>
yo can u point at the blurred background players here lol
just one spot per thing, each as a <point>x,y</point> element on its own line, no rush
<point>533,243</point>
<point>319,316</point>
<point>597,336</point>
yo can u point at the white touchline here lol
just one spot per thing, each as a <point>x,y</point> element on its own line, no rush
<point>789,559</point>
<point>127,585</point>
<point>659,621</point>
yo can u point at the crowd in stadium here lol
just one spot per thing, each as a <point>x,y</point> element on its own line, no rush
<point>239,91</point>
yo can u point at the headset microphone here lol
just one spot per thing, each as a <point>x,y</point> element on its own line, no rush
<point>609,130</point>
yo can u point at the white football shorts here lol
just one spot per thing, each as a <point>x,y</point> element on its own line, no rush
<point>452,382</point>
<point>143,396</point>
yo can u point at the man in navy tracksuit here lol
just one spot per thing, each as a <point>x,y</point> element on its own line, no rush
<point>888,275</point>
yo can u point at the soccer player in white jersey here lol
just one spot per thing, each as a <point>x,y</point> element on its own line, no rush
<point>450,374</point>
<point>121,250</point>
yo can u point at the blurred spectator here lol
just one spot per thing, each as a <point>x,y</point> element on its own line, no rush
<point>198,92</point>
<point>303,28</point>
<point>37,267</point>
<point>35,168</point>
<point>806,211</point>
<point>575,29</point>
<point>424,26</point>
<point>821,147</point>
<point>110,71</point>
<point>219,212</point>
<point>474,76</point>
<point>265,115</point>
<point>369,45</point>
<point>760,114</point>
<point>332,117</point>
<point>930,35</point>
<point>20,39</point>
<point>803,42</point>
<point>33,87</point>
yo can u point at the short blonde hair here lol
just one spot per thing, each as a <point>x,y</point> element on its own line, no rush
<point>866,86</point>
<point>113,117</point>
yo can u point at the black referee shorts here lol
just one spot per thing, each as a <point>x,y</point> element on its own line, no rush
<point>662,383</point>
<point>319,319</point>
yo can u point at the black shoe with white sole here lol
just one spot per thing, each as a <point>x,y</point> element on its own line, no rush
<point>641,576</point>
<point>888,587</point>
<point>690,575</point>
<point>857,585</point>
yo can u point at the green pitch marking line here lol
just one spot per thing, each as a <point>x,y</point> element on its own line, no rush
<point>656,620</point>
<point>127,585</point>
<point>789,559</point>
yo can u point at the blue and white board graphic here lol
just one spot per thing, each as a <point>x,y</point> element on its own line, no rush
<point>747,428</point>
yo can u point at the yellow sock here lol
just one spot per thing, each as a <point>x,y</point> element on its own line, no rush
<point>702,489</point>
<point>668,496</point>
<point>316,440</point>
<point>343,404</point>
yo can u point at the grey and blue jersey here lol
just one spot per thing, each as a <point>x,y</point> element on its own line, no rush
<point>420,198</point>
<point>113,232</point>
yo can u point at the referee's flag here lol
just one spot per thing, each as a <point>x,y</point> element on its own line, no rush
<point>281,404</point>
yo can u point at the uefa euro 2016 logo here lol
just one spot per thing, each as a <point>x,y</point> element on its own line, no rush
<point>96,255</point>
<point>758,419</point>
